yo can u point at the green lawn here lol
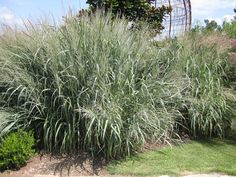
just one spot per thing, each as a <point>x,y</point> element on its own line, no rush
<point>197,157</point>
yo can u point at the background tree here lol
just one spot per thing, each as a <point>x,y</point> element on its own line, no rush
<point>212,25</point>
<point>134,10</point>
<point>229,28</point>
<point>235,13</point>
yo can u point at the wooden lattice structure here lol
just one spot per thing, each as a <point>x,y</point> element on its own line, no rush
<point>179,20</point>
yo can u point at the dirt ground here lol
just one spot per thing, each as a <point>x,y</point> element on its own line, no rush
<point>46,164</point>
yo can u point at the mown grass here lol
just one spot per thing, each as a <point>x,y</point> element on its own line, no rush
<point>206,156</point>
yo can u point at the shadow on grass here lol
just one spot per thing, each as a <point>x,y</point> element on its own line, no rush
<point>217,142</point>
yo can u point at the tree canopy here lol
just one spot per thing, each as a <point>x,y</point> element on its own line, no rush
<point>211,25</point>
<point>134,10</point>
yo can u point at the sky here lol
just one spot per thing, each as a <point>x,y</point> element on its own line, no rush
<point>12,12</point>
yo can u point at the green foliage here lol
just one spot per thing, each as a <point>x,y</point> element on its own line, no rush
<point>138,10</point>
<point>230,29</point>
<point>86,86</point>
<point>16,149</point>
<point>96,86</point>
<point>209,27</point>
<point>206,103</point>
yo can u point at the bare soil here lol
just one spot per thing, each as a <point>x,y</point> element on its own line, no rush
<point>46,164</point>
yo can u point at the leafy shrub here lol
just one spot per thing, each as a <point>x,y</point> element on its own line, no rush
<point>16,149</point>
<point>93,85</point>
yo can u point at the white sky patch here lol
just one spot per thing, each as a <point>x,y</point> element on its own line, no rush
<point>213,9</point>
<point>209,7</point>
<point>228,18</point>
<point>7,17</point>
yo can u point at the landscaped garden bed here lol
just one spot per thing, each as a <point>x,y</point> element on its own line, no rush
<point>93,86</point>
<point>214,157</point>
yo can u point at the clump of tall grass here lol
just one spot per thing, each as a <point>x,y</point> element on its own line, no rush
<point>89,85</point>
<point>207,103</point>
<point>94,85</point>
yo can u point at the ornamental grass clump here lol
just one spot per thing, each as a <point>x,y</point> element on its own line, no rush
<point>93,85</point>
<point>90,85</point>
